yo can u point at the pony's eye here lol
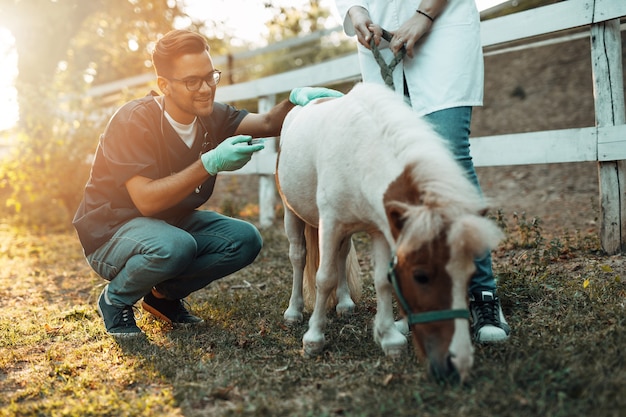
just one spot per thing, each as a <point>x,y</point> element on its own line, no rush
<point>421,277</point>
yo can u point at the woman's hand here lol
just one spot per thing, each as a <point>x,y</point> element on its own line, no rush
<point>409,34</point>
<point>361,21</point>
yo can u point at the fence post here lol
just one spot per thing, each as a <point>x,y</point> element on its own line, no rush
<point>606,57</point>
<point>267,183</point>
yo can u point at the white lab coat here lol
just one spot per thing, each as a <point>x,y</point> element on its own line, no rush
<point>447,70</point>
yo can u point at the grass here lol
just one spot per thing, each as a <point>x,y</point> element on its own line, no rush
<point>564,299</point>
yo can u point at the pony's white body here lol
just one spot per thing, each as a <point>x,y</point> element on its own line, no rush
<point>337,163</point>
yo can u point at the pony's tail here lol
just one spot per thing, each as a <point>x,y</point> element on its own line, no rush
<point>353,271</point>
<point>311,237</point>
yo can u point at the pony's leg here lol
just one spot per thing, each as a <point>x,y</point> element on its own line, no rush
<point>294,228</point>
<point>386,332</point>
<point>325,282</point>
<point>345,304</point>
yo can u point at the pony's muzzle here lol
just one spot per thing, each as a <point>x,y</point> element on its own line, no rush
<point>444,372</point>
<point>450,370</point>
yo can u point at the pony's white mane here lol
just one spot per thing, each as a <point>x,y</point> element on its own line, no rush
<point>444,188</point>
<point>414,142</point>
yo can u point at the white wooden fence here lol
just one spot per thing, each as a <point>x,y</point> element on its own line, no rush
<point>605,142</point>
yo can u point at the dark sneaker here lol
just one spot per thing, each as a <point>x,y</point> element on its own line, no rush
<point>119,321</point>
<point>488,322</point>
<point>172,311</point>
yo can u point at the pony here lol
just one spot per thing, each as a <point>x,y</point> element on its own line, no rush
<point>365,162</point>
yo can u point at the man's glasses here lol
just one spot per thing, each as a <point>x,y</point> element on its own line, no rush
<point>195,83</point>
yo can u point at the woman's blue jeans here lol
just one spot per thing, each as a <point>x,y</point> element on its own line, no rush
<point>177,257</point>
<point>454,125</point>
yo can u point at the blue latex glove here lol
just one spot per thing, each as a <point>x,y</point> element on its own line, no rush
<point>231,154</point>
<point>301,96</point>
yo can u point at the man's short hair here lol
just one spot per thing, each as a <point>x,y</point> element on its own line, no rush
<point>174,44</point>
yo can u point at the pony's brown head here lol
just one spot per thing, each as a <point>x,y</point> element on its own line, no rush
<point>430,271</point>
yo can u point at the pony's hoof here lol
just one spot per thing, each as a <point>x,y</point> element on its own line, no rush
<point>345,310</point>
<point>312,349</point>
<point>292,319</point>
<point>394,344</point>
<point>395,352</point>
<point>312,346</point>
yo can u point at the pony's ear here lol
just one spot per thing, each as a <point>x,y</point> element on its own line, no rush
<point>396,215</point>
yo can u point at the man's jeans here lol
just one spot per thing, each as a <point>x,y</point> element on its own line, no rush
<point>177,258</point>
<point>454,126</point>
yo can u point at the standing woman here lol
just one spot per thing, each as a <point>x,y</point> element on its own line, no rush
<point>442,77</point>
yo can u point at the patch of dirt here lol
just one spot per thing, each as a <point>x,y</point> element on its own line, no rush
<point>565,197</point>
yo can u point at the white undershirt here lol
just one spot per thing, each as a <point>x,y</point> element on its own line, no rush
<point>186,132</point>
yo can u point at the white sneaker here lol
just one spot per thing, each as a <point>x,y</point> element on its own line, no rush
<point>488,322</point>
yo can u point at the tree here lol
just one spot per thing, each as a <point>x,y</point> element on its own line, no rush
<point>66,45</point>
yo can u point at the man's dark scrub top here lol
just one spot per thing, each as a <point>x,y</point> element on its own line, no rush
<point>139,140</point>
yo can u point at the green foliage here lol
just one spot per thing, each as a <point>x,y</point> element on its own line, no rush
<point>44,175</point>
